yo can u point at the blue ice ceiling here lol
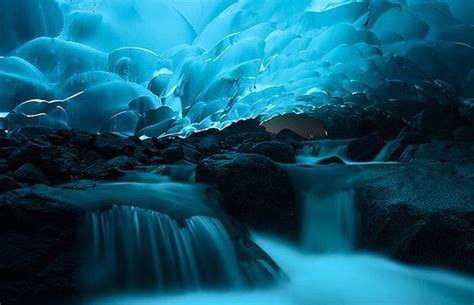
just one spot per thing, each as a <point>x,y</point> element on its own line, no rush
<point>160,67</point>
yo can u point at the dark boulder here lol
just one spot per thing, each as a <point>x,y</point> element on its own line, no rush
<point>29,173</point>
<point>111,145</point>
<point>395,148</point>
<point>8,184</point>
<point>243,126</point>
<point>439,151</point>
<point>428,221</point>
<point>254,190</point>
<point>40,248</point>
<point>439,121</point>
<point>331,160</point>
<point>173,153</point>
<point>277,151</point>
<point>365,148</point>
<point>289,136</point>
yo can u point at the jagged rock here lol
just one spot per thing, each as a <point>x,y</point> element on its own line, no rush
<point>428,221</point>
<point>243,126</point>
<point>28,173</point>
<point>438,121</point>
<point>254,190</point>
<point>173,154</point>
<point>4,166</point>
<point>209,144</point>
<point>440,151</point>
<point>277,151</point>
<point>41,248</point>
<point>365,148</point>
<point>7,184</point>
<point>331,160</point>
<point>112,145</point>
<point>288,134</point>
<point>395,148</point>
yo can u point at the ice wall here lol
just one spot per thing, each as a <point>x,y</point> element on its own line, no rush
<point>156,67</point>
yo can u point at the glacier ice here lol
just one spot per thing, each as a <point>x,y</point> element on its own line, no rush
<point>173,67</point>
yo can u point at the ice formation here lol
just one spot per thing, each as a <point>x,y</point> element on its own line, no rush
<point>165,67</point>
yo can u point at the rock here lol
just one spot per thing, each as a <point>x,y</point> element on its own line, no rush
<point>427,221</point>
<point>440,151</point>
<point>365,148</point>
<point>173,154</point>
<point>28,153</point>
<point>300,124</point>
<point>464,134</point>
<point>254,190</point>
<point>112,173</point>
<point>277,151</point>
<point>112,145</point>
<point>7,184</point>
<point>438,120</point>
<point>29,173</point>
<point>41,248</point>
<point>395,148</point>
<point>288,134</point>
<point>4,166</point>
<point>243,126</point>
<point>120,162</point>
<point>209,144</point>
<point>178,151</point>
<point>331,160</point>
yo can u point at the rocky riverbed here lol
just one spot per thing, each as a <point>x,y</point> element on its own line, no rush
<point>412,195</point>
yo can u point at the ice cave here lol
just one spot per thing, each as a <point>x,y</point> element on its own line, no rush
<point>254,152</point>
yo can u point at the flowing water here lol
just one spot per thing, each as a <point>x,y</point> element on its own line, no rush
<point>148,232</point>
<point>150,248</point>
<point>138,248</point>
<point>355,279</point>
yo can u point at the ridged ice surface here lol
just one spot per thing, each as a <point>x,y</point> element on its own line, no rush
<point>181,66</point>
<point>136,248</point>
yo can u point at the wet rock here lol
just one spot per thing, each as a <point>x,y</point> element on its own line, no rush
<point>243,126</point>
<point>440,151</point>
<point>28,153</point>
<point>464,134</point>
<point>7,184</point>
<point>277,151</point>
<point>173,154</point>
<point>395,148</point>
<point>112,145</point>
<point>254,190</point>
<point>288,134</point>
<point>209,144</point>
<point>365,148</point>
<point>438,120</point>
<point>331,160</point>
<point>4,166</point>
<point>39,256</point>
<point>427,221</point>
<point>29,173</point>
<point>181,151</point>
<point>120,162</point>
<point>299,124</point>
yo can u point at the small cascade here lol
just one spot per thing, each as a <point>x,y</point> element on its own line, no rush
<point>329,224</point>
<point>315,151</point>
<point>136,248</point>
<point>327,200</point>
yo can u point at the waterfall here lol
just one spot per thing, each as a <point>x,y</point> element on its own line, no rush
<point>329,223</point>
<point>328,207</point>
<point>314,151</point>
<point>137,248</point>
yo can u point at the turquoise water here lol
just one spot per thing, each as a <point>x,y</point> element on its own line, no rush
<point>355,279</point>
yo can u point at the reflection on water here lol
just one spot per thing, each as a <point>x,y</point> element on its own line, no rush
<point>355,279</point>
